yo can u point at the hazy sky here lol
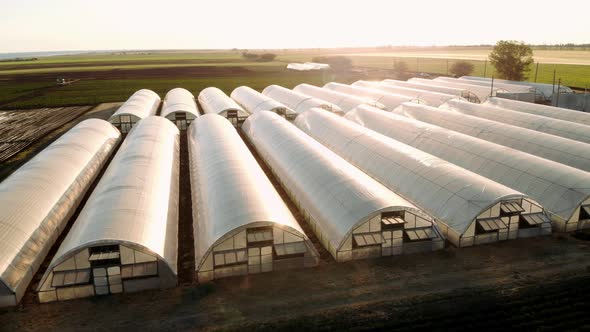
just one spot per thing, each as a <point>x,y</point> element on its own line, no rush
<point>47,25</point>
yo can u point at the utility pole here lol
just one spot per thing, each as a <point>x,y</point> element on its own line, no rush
<point>558,88</point>
<point>485,67</point>
<point>553,89</point>
<point>585,97</point>
<point>492,87</point>
<point>536,72</point>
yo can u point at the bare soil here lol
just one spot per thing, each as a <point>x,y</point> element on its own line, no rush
<point>538,282</point>
<point>102,111</point>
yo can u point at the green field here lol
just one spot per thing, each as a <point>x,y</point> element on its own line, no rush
<point>107,77</point>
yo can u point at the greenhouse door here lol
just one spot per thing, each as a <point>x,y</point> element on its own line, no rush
<point>260,259</point>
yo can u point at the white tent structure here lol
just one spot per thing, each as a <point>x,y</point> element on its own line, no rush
<point>141,104</point>
<point>241,224</point>
<point>575,131</point>
<point>352,215</point>
<point>299,66</point>
<point>389,100</point>
<point>38,199</point>
<point>459,92</point>
<point>179,106</point>
<point>317,66</point>
<point>548,111</point>
<point>429,97</point>
<point>346,102</point>
<point>253,101</point>
<point>307,66</point>
<point>481,92</point>
<point>213,100</point>
<point>559,149</point>
<point>298,101</point>
<point>125,238</point>
<point>512,88</point>
<point>547,90</point>
<point>563,191</point>
<point>468,208</point>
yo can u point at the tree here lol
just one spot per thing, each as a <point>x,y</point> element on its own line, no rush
<point>461,68</point>
<point>267,57</point>
<point>511,59</point>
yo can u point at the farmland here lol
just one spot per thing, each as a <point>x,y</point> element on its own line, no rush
<point>110,77</point>
<point>532,283</point>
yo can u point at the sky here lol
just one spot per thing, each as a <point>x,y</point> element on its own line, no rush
<point>56,25</point>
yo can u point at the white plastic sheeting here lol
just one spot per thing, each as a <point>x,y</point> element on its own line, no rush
<point>317,66</point>
<point>452,195</point>
<point>135,206</point>
<point>297,101</point>
<point>214,101</point>
<point>38,199</point>
<point>232,197</point>
<point>179,106</point>
<point>389,100</point>
<point>566,129</point>
<point>429,97</point>
<point>546,89</point>
<point>308,66</point>
<point>346,102</point>
<point>335,197</point>
<point>513,88</point>
<point>481,92</point>
<point>253,101</point>
<point>141,104</point>
<point>559,149</point>
<point>435,88</point>
<point>560,189</point>
<point>548,111</point>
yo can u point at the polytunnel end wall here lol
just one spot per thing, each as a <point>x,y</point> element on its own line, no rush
<point>138,268</point>
<point>256,247</point>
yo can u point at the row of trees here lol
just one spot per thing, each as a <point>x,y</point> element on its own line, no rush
<point>512,60</point>
<point>264,57</point>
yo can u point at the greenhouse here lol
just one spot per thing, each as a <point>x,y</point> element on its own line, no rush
<point>429,97</point>
<point>547,90</point>
<point>459,92</point>
<point>559,149</point>
<point>253,101</point>
<point>215,101</point>
<point>39,198</point>
<point>565,129</point>
<point>512,88</point>
<point>468,208</point>
<point>345,101</point>
<point>141,104</point>
<point>297,101</point>
<point>389,100</point>
<point>561,190</point>
<point>258,233</point>
<point>481,92</point>
<point>352,215</point>
<point>179,106</point>
<point>126,236</point>
<point>537,109</point>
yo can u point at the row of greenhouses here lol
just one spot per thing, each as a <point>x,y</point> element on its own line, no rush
<point>374,168</point>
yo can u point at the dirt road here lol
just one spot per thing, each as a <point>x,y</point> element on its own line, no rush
<point>518,274</point>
